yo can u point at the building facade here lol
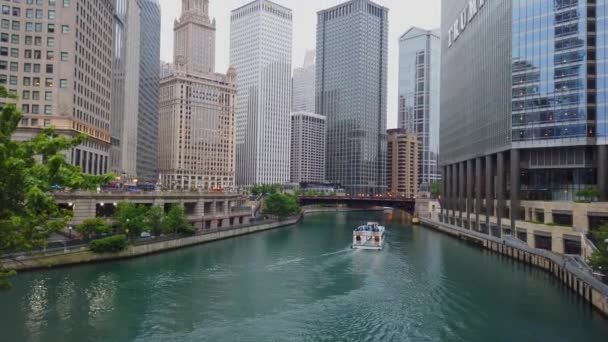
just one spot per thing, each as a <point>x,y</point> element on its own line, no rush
<point>303,85</point>
<point>196,125</point>
<point>523,118</point>
<point>402,163</point>
<point>352,43</point>
<point>307,148</point>
<point>419,89</point>
<point>260,52</point>
<point>46,59</point>
<point>149,85</point>
<point>125,86</point>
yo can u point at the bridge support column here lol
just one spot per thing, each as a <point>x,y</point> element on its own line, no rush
<point>461,190</point>
<point>478,190</point>
<point>500,188</point>
<point>515,187</point>
<point>469,192</point>
<point>490,190</point>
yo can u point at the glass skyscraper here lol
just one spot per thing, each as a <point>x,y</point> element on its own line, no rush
<point>419,74</point>
<point>352,43</point>
<point>523,115</point>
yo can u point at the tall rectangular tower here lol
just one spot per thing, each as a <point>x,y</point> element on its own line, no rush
<point>352,45</point>
<point>149,84</point>
<point>196,124</point>
<point>303,85</point>
<point>307,148</point>
<point>47,58</point>
<point>260,52</point>
<point>419,73</point>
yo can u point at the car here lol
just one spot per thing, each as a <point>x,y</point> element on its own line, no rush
<point>145,235</point>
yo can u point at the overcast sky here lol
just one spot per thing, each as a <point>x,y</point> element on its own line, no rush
<point>403,14</point>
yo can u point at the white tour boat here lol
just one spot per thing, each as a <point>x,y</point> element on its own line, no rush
<point>369,236</point>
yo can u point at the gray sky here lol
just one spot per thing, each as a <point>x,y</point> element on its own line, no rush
<point>403,14</point>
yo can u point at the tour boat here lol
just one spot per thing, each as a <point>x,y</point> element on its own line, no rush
<point>369,236</point>
<point>415,220</point>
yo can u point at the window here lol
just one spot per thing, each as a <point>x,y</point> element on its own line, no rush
<point>48,110</point>
<point>16,25</point>
<point>29,13</point>
<point>64,56</point>
<point>48,96</point>
<point>3,51</point>
<point>48,82</point>
<point>39,14</point>
<point>6,10</point>
<point>65,29</point>
<point>14,66</point>
<point>29,27</point>
<point>2,79</point>
<point>15,53</point>
<point>37,68</point>
<point>15,39</point>
<point>3,65</point>
<point>66,3</point>
<point>25,108</point>
<point>36,95</point>
<point>27,81</point>
<point>16,11</point>
<point>26,95</point>
<point>50,42</point>
<point>36,81</point>
<point>38,27</point>
<point>51,28</point>
<point>49,68</point>
<point>6,24</point>
<point>38,41</point>
<point>51,15</point>
<point>50,55</point>
<point>13,81</point>
<point>28,53</point>
<point>28,40</point>
<point>63,83</point>
<point>4,37</point>
<point>35,109</point>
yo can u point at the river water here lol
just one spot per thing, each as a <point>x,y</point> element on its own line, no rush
<point>302,283</point>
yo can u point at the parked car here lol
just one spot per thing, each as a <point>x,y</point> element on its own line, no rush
<point>145,235</point>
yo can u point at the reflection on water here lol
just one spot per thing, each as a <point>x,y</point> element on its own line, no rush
<point>302,283</point>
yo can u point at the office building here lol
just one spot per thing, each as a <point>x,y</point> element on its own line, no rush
<point>149,84</point>
<point>260,52</point>
<point>61,78</point>
<point>352,45</point>
<point>402,163</point>
<point>125,87</point>
<point>307,148</point>
<point>303,86</point>
<point>196,126</point>
<point>523,119</point>
<point>419,74</point>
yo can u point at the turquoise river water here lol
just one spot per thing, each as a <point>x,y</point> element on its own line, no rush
<point>302,283</point>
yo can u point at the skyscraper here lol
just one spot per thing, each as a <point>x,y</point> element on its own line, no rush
<point>352,45</point>
<point>523,119</point>
<point>304,85</point>
<point>149,84</point>
<point>307,148</point>
<point>196,127</point>
<point>260,52</point>
<point>125,86</point>
<point>62,79</point>
<point>419,73</point>
<point>402,163</point>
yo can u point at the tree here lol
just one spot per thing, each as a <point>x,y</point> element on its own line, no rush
<point>94,226</point>
<point>155,220</point>
<point>263,189</point>
<point>589,193</point>
<point>177,222</point>
<point>436,189</point>
<point>599,259</point>
<point>131,218</point>
<point>29,172</point>
<point>281,205</point>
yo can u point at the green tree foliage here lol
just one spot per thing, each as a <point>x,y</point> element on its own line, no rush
<point>599,259</point>
<point>29,171</point>
<point>130,218</point>
<point>93,227</point>
<point>262,189</point>
<point>281,205</point>
<point>112,244</point>
<point>588,194</point>
<point>155,220</point>
<point>436,189</point>
<point>177,221</point>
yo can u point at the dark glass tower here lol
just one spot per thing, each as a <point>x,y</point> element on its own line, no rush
<point>149,83</point>
<point>352,43</point>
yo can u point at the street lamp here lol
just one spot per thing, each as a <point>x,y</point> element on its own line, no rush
<point>70,230</point>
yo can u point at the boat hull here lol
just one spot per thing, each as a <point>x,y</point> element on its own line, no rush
<point>371,248</point>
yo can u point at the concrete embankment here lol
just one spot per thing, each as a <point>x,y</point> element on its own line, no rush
<point>84,255</point>
<point>565,269</point>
